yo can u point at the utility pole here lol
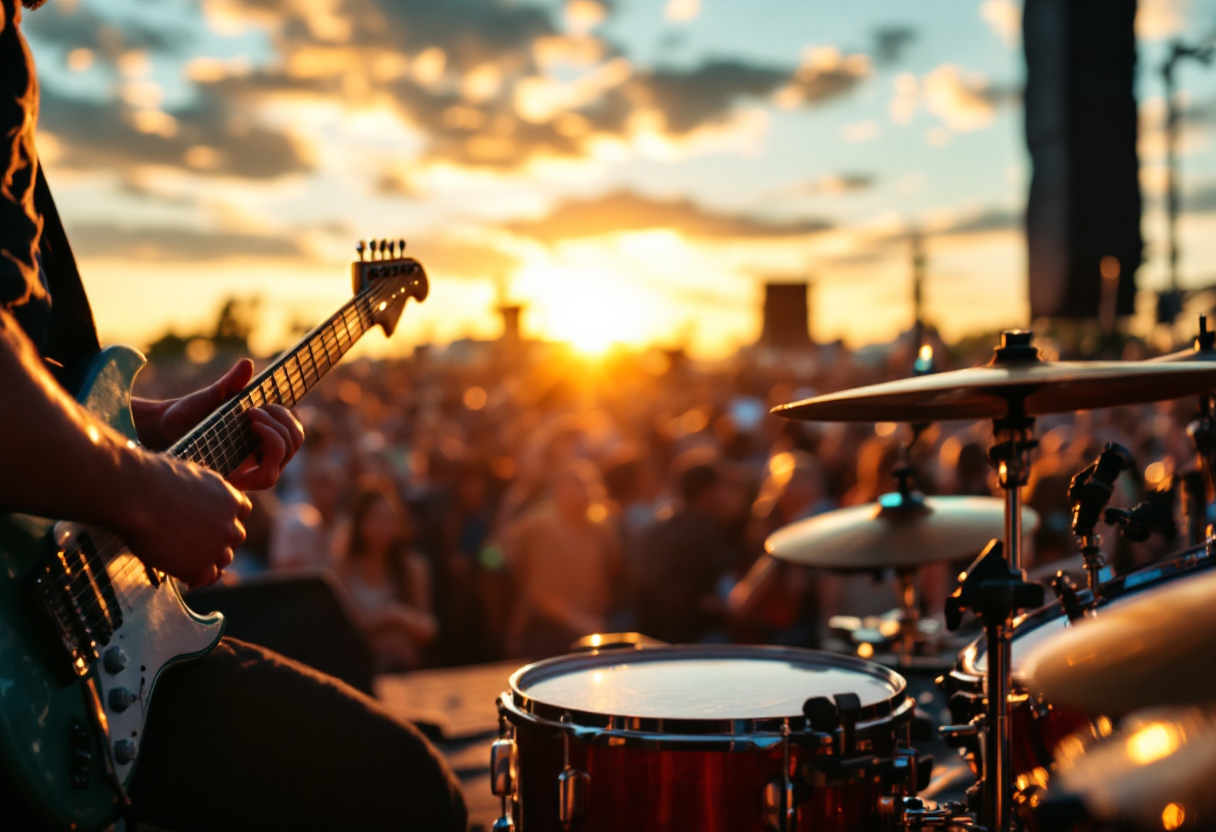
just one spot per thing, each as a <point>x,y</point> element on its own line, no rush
<point>1169,303</point>
<point>918,285</point>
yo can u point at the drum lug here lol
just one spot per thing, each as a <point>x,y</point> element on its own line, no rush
<point>502,767</point>
<point>573,785</point>
<point>777,807</point>
<point>574,789</point>
<point>502,770</point>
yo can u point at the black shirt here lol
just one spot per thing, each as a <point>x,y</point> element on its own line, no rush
<point>35,258</point>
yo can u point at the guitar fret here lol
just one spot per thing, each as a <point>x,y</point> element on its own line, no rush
<point>312,349</point>
<point>303,357</point>
<point>293,372</point>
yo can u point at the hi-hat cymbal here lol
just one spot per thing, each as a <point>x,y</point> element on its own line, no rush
<point>895,533</point>
<point>1016,374</point>
<point>1156,773</point>
<point>1156,649</point>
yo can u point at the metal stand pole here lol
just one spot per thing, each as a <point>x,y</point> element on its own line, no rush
<point>909,608</point>
<point>1011,456</point>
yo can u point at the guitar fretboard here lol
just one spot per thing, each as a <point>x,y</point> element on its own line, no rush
<point>225,439</point>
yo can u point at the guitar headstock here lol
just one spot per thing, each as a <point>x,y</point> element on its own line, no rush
<point>384,262</point>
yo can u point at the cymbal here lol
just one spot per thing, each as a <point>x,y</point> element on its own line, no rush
<point>1156,649</point>
<point>898,532</point>
<point>1015,374</point>
<point>1157,772</point>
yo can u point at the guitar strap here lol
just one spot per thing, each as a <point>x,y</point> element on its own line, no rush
<point>72,334</point>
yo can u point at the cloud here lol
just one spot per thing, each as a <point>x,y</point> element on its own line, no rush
<point>167,244</point>
<point>1158,19</point>
<point>484,84</point>
<point>210,137</point>
<point>830,185</point>
<point>462,257</point>
<point>1004,18</point>
<point>1201,200</point>
<point>860,131</point>
<point>681,11</point>
<point>626,211</point>
<point>891,42</point>
<point>991,219</point>
<point>79,27</point>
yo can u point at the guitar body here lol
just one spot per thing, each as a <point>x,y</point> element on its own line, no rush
<point>56,750</point>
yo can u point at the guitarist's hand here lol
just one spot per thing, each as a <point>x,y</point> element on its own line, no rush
<point>161,423</point>
<point>187,521</point>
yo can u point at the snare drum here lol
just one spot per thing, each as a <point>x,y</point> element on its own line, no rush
<point>1038,727</point>
<point>706,738</point>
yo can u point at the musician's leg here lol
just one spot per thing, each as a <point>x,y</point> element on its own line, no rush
<point>246,739</point>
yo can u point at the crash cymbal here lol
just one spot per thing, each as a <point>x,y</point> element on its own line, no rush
<point>1157,772</point>
<point>1016,374</point>
<point>897,532</point>
<point>1157,649</point>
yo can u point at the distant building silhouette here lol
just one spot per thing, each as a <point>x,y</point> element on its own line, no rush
<point>786,315</point>
<point>510,322</point>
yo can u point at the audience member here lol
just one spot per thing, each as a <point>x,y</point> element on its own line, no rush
<point>563,556</point>
<point>388,581</point>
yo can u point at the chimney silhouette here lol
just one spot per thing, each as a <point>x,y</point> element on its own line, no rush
<point>510,322</point>
<point>786,315</point>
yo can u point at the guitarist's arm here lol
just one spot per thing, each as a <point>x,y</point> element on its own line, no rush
<point>56,460</point>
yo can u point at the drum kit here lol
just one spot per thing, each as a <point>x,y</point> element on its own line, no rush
<point>1096,711</point>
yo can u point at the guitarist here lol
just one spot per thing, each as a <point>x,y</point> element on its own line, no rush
<point>243,738</point>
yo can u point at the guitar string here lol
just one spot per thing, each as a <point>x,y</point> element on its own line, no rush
<point>365,319</point>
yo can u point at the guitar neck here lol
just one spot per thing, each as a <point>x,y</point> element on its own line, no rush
<point>225,439</point>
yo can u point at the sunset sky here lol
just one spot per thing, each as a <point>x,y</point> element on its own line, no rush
<point>630,170</point>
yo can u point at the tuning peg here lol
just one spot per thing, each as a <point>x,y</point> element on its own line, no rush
<point>383,247</point>
<point>360,249</point>
<point>371,250</point>
<point>402,243</point>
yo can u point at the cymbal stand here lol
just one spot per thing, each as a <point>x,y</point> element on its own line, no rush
<point>910,502</point>
<point>1088,493</point>
<point>909,609</point>
<point>1010,456</point>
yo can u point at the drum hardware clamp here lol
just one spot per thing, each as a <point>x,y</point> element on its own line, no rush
<point>1074,602</point>
<point>994,591</point>
<point>1088,493</point>
<point>502,770</point>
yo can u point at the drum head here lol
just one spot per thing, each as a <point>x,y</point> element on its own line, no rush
<point>698,683</point>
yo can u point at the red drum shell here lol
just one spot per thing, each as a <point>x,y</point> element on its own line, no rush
<point>680,773</point>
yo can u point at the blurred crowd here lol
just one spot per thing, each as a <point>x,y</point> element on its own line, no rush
<point>493,501</point>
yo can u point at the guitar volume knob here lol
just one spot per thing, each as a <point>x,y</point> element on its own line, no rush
<point>115,660</point>
<point>121,699</point>
<point>125,751</point>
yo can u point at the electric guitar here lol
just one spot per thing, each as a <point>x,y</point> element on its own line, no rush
<point>85,627</point>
